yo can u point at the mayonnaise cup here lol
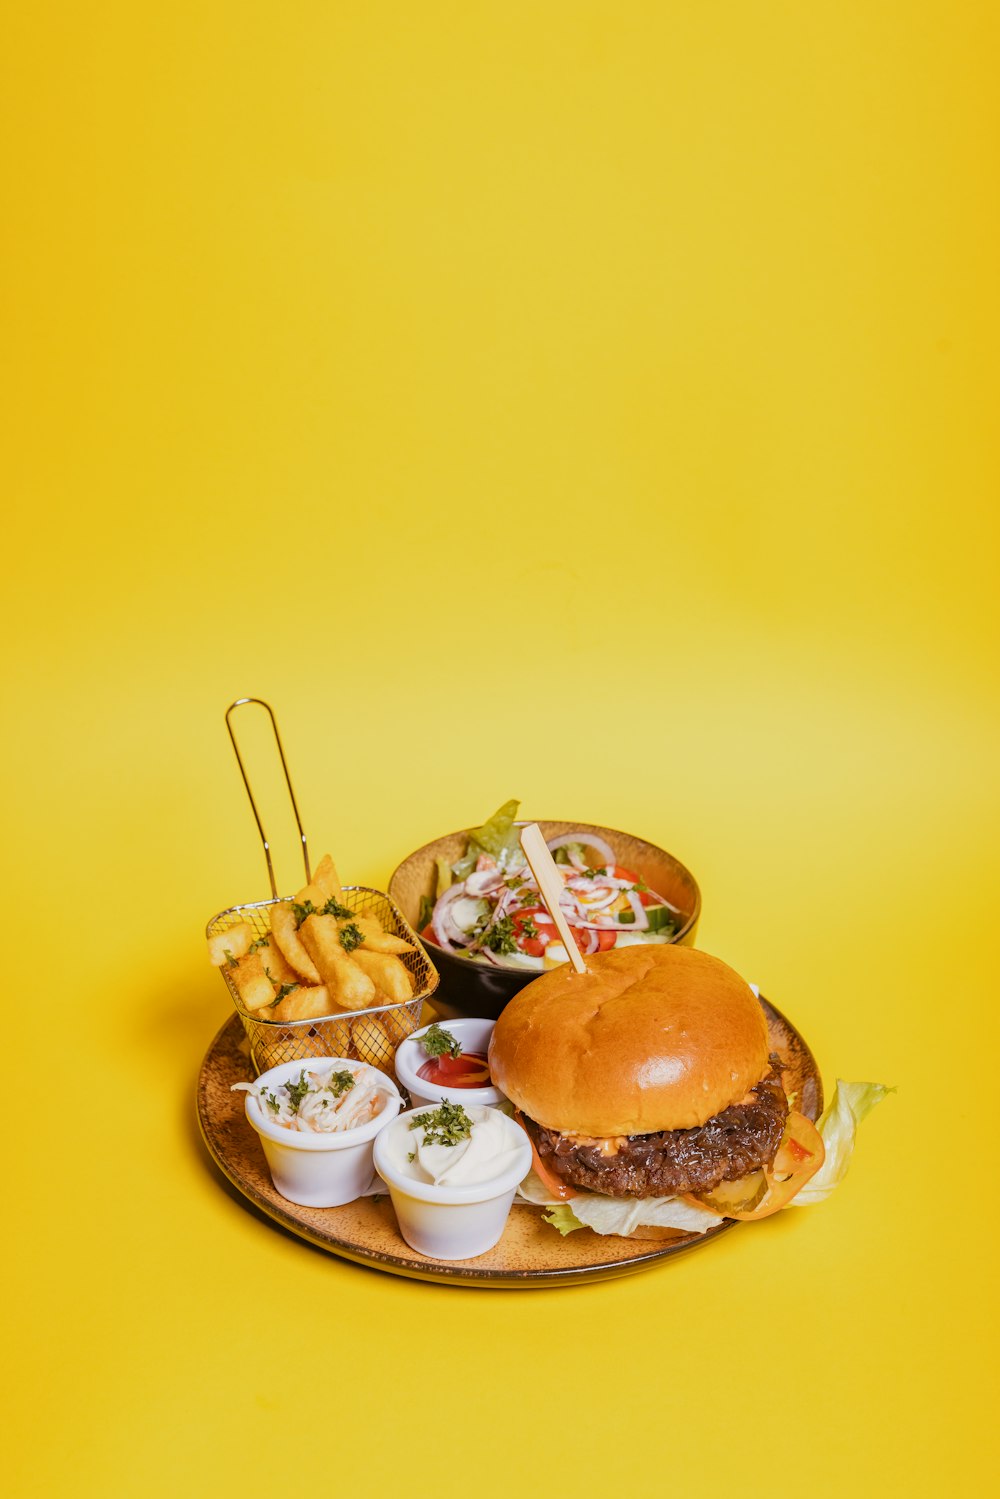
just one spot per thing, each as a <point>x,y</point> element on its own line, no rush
<point>472,1035</point>
<point>321,1170</point>
<point>463,1214</point>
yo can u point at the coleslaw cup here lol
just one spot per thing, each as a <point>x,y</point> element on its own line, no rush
<point>472,1035</point>
<point>319,1170</point>
<point>453,1223</point>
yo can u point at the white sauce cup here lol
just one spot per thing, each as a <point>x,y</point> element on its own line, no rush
<point>472,1035</point>
<point>453,1223</point>
<point>314,1169</point>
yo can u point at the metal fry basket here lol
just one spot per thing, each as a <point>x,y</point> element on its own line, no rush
<point>370,1035</point>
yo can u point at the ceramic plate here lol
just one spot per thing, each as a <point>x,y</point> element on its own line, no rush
<point>530,1252</point>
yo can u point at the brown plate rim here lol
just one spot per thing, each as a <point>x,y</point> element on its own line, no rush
<point>439,1271</point>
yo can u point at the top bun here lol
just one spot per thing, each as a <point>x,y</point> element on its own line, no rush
<point>651,1037</point>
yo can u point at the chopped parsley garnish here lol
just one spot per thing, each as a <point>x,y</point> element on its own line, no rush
<point>640,887</point>
<point>515,882</point>
<point>528,928</point>
<point>341,1083</point>
<point>447,1125</point>
<point>501,937</point>
<point>334,908</point>
<point>438,1042</point>
<point>351,937</point>
<point>261,942</point>
<point>283,990</point>
<point>597,874</point>
<point>411,1155</point>
<point>297,1091</point>
<point>306,908</point>
<point>529,898</point>
<point>230,960</point>
<point>271,1099</point>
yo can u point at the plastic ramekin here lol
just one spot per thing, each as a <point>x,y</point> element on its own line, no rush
<point>473,1035</point>
<point>313,1169</point>
<point>453,1223</point>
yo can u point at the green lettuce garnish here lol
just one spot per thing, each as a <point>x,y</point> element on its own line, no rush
<point>563,1218</point>
<point>496,837</point>
<point>851,1103</point>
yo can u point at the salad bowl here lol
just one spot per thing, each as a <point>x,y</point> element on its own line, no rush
<point>471,987</point>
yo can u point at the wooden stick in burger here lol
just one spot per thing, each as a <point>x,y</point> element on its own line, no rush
<point>550,887</point>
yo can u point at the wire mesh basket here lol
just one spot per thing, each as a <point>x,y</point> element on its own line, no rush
<point>370,1035</point>
<point>367,1035</point>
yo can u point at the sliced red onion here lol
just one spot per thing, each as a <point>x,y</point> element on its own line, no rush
<point>586,940</point>
<point>446,929</point>
<point>595,905</point>
<point>641,923</point>
<point>484,882</point>
<point>588,840</point>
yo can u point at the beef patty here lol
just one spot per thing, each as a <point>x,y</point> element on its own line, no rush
<point>741,1139</point>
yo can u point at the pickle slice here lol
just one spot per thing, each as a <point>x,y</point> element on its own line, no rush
<point>736,1197</point>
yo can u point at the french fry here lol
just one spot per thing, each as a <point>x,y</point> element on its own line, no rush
<point>286,935</point>
<point>252,984</point>
<point>234,942</point>
<point>325,876</point>
<point>275,964</point>
<point>398,1024</point>
<point>288,1046</point>
<point>304,1003</point>
<point>390,977</point>
<point>377,939</point>
<point>349,986</point>
<point>372,1041</point>
<point>313,894</point>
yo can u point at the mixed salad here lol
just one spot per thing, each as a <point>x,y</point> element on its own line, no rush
<point>486,906</point>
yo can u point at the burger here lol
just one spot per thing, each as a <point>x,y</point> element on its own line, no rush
<point>651,1095</point>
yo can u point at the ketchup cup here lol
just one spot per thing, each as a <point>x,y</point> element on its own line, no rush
<point>471,1035</point>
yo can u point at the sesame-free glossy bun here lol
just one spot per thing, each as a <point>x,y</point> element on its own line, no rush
<point>651,1037</point>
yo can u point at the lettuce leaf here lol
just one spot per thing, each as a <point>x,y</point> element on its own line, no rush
<point>851,1103</point>
<point>498,834</point>
<point>562,1217</point>
<point>614,1215</point>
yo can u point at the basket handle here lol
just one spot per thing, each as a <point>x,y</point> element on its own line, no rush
<point>239,703</point>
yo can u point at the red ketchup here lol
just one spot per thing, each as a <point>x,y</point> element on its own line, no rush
<point>469,1070</point>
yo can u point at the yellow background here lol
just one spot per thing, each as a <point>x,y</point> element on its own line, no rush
<point>588,402</point>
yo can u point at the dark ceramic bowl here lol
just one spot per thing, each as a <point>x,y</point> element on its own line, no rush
<point>473,988</point>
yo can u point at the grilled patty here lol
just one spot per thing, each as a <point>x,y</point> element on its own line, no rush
<point>741,1139</point>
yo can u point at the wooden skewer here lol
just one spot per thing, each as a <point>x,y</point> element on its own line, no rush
<point>550,886</point>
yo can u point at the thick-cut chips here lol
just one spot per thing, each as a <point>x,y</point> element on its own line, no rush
<point>276,966</point>
<point>377,939</point>
<point>325,876</point>
<point>349,986</point>
<point>304,1003</point>
<point>234,942</point>
<point>252,984</point>
<point>316,969</point>
<point>371,1040</point>
<point>390,977</point>
<point>286,935</point>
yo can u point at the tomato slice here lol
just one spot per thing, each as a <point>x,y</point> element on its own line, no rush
<point>621,873</point>
<point>548,1179</point>
<point>799,1156</point>
<point>533,946</point>
<point>466,1062</point>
